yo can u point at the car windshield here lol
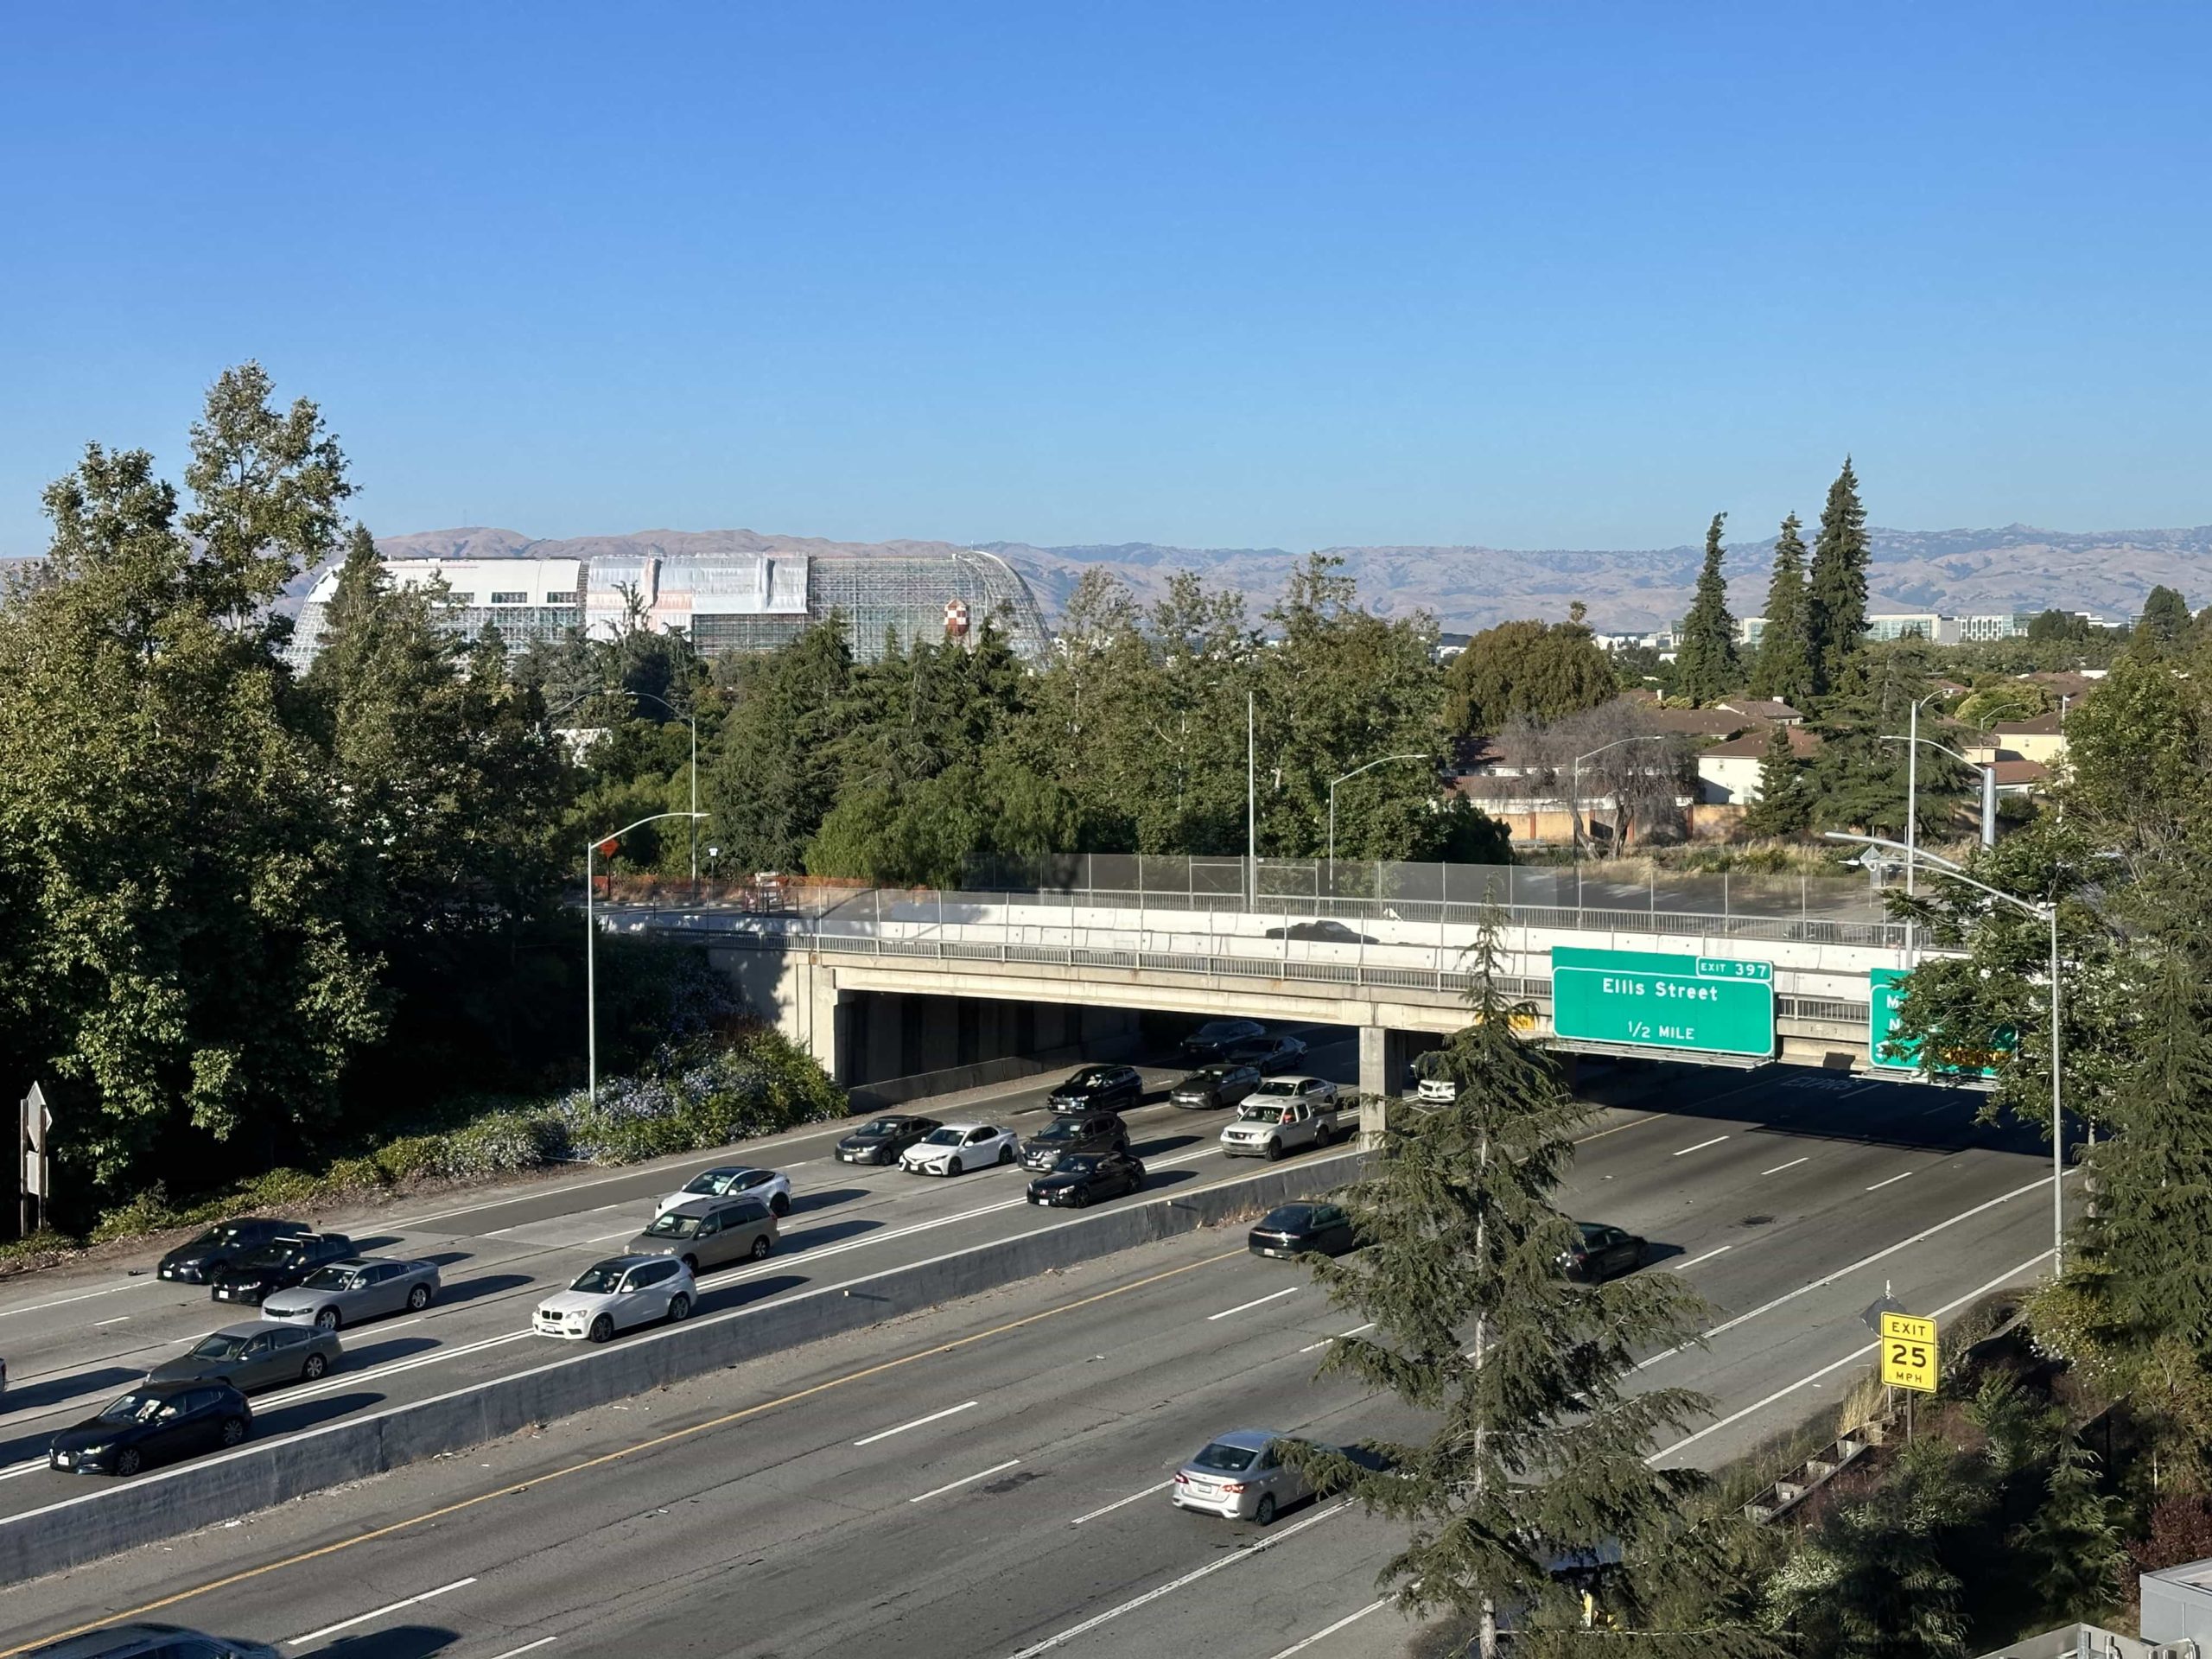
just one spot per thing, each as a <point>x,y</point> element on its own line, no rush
<point>133,1408</point>
<point>1281,1087</point>
<point>1289,1218</point>
<point>227,1234</point>
<point>218,1347</point>
<point>1065,1129</point>
<point>945,1138</point>
<point>600,1278</point>
<point>334,1279</point>
<point>884,1126</point>
<point>713,1181</point>
<point>675,1225</point>
<point>1215,1031</point>
<point>1201,1079</point>
<point>1076,1163</point>
<point>272,1256</point>
<point>1220,1456</point>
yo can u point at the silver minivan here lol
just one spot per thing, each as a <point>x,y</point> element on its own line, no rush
<point>709,1233</point>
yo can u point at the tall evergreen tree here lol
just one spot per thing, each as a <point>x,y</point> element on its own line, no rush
<point>2166,624</point>
<point>1541,1441</point>
<point>1705,662</point>
<point>1784,668</point>
<point>1784,805</point>
<point>1836,591</point>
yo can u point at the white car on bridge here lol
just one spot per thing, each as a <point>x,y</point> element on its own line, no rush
<point>959,1147</point>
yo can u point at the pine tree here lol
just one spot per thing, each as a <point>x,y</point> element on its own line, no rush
<point>1836,592</point>
<point>2074,1541</point>
<point>1784,665</point>
<point>2166,624</point>
<point>1784,806</point>
<point>1541,1448</point>
<point>1705,663</point>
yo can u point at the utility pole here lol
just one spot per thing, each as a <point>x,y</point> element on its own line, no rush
<point>1251,810</point>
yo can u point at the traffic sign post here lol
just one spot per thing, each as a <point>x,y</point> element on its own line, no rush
<point>34,1118</point>
<point>1910,1353</point>
<point>1651,999</point>
<point>1885,988</point>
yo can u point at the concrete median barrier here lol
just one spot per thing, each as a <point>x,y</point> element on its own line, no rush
<point>115,1516</point>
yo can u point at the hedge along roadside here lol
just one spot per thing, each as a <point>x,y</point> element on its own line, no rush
<point>259,1475</point>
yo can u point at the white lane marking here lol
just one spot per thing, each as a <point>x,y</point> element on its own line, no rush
<point>333,1381</point>
<point>1792,1163</point>
<point>965,1480</point>
<point>64,1301</point>
<point>1944,1106</point>
<point>935,1416</point>
<point>120,1318</point>
<point>1339,1337</point>
<point>1121,1502</point>
<point>1998,1283</point>
<point>1708,1256</point>
<point>363,1618</point>
<point>1272,1295</point>
<point>1633,1123</point>
<point>1701,1146</point>
<point>1891,1181</point>
<point>1174,1584</point>
<point>527,1647</point>
<point>1331,1630</point>
<point>1924,1234</point>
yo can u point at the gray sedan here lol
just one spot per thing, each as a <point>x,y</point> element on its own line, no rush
<point>345,1293</point>
<point>1240,1475</point>
<point>250,1357</point>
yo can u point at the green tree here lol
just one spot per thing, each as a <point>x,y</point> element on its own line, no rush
<point>1784,667</point>
<point>1784,807</point>
<point>1859,779</point>
<point>1541,1441</point>
<point>2072,1546</point>
<point>774,777</point>
<point>2166,624</point>
<point>1543,673</point>
<point>1705,662</point>
<point>1835,596</point>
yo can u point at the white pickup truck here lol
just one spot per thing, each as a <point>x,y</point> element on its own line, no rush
<point>1287,1115</point>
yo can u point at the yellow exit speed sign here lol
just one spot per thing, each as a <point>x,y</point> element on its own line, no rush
<point>1908,1352</point>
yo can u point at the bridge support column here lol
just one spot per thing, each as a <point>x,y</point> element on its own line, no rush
<point>1385,1068</point>
<point>825,1020</point>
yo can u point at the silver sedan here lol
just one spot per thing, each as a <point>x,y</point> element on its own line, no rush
<point>345,1293</point>
<point>1240,1475</point>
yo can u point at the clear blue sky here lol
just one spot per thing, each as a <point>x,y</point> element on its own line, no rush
<point>1541,274</point>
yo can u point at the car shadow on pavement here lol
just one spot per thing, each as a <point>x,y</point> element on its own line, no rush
<point>803,1204</point>
<point>380,1353</point>
<point>1165,1143</point>
<point>380,1242</point>
<point>289,1419</point>
<point>812,1237</point>
<point>447,1258</point>
<point>1159,1180</point>
<point>722,1298</point>
<point>1655,1253</point>
<point>45,1393</point>
<point>402,1642</point>
<point>470,1290</point>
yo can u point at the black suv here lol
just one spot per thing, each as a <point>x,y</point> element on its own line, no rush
<point>1099,1088</point>
<point>1216,1040</point>
<point>193,1263</point>
<point>1074,1131</point>
<point>277,1265</point>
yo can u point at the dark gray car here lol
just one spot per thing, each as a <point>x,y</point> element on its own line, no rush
<point>1074,1131</point>
<point>708,1232</point>
<point>150,1641</point>
<point>251,1356</point>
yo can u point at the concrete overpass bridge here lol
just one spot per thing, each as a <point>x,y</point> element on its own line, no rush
<point>1391,967</point>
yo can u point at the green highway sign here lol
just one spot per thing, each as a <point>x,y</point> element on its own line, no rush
<point>1885,996</point>
<point>1651,999</point>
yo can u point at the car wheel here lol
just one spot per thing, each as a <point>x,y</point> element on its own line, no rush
<point>233,1430</point>
<point>128,1462</point>
<point>1005,1154</point>
<point>1274,1151</point>
<point>1136,1176</point>
<point>762,1246</point>
<point>679,1306</point>
<point>1082,1199</point>
<point>691,1265</point>
<point>601,1328</point>
<point>952,1168</point>
<point>1264,1511</point>
<point>315,1366</point>
<point>418,1299</point>
<point>781,1204</point>
<point>327,1320</point>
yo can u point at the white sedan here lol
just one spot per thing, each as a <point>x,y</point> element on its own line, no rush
<point>770,1186</point>
<point>616,1293</point>
<point>958,1147</point>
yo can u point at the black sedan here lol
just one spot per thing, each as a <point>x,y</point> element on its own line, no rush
<point>1600,1252</point>
<point>1272,1054</point>
<point>153,1423</point>
<point>278,1265</point>
<point>1083,1176</point>
<point>192,1262</point>
<point>1216,1086</point>
<point>1099,1088</point>
<point>1292,1230</point>
<point>1214,1039</point>
<point>1323,933</point>
<point>882,1140</point>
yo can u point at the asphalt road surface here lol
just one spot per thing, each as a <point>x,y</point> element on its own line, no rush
<point>988,1480</point>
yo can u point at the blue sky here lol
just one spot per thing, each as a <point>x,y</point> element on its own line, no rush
<point>1545,275</point>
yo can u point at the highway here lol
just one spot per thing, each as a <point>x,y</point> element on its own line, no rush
<point>985,1480</point>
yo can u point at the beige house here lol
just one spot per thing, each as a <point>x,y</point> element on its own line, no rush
<point>1728,773</point>
<point>2042,740</point>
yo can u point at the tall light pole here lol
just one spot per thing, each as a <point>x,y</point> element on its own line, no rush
<point>695,814</point>
<point>1575,806</point>
<point>1346,778</point>
<point>605,846</point>
<point>2048,914</point>
<point>1251,809</point>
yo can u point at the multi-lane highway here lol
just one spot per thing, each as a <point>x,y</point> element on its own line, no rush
<point>988,1480</point>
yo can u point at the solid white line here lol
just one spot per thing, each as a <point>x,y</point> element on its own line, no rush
<point>527,1647</point>
<point>1601,1133</point>
<point>1329,1629</point>
<point>1792,1163</point>
<point>1339,1337</point>
<point>363,1618</point>
<point>935,1416</point>
<point>1925,1233</point>
<point>1708,1256</point>
<point>1120,1502</point>
<point>1998,1283</point>
<point>120,1318</point>
<point>1272,1295</point>
<point>1174,1584</point>
<point>1701,1146</point>
<point>1891,1181</point>
<point>64,1301</point>
<point>965,1480</point>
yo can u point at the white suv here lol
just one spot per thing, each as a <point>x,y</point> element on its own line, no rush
<point>613,1294</point>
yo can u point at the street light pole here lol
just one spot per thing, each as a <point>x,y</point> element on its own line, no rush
<point>2049,914</point>
<point>591,947</point>
<point>1346,778</point>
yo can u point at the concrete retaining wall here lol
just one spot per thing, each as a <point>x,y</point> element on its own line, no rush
<point>116,1516</point>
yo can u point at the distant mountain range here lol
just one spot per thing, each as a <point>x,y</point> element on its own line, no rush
<point>1959,572</point>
